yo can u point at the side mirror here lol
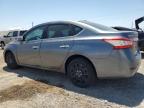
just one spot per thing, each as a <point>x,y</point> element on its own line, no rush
<point>5,36</point>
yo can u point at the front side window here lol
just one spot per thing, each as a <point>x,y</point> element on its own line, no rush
<point>15,33</point>
<point>35,34</point>
<point>76,29</point>
<point>10,34</point>
<point>59,30</point>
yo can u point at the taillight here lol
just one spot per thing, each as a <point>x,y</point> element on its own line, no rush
<point>120,43</point>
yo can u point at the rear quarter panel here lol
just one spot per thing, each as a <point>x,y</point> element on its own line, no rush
<point>97,51</point>
<point>92,46</point>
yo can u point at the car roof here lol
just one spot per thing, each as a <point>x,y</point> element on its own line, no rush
<point>16,30</point>
<point>78,23</point>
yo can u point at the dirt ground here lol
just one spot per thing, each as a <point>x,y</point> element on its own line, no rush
<point>33,88</point>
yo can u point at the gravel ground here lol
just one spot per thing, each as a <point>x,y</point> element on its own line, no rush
<point>33,88</point>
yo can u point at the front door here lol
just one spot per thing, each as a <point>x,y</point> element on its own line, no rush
<point>28,50</point>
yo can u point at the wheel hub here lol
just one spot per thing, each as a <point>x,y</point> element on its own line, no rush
<point>78,73</point>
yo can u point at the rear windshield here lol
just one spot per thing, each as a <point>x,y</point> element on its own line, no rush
<point>22,32</point>
<point>99,26</point>
<point>123,29</point>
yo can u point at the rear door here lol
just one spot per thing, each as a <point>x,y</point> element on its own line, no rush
<point>55,48</point>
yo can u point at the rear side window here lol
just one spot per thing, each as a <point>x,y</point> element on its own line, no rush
<point>22,32</point>
<point>15,33</point>
<point>10,34</point>
<point>76,29</point>
<point>59,30</point>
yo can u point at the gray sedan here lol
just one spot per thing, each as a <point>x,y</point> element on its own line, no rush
<point>82,50</point>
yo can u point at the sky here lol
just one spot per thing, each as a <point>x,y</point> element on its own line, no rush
<point>19,14</point>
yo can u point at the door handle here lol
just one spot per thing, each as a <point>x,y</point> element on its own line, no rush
<point>64,46</point>
<point>35,47</point>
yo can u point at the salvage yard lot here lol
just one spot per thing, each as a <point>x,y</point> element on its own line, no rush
<point>33,88</point>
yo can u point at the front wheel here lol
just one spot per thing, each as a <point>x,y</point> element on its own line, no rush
<point>10,60</point>
<point>81,72</point>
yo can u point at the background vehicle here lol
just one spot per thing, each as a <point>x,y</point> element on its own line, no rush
<point>83,50</point>
<point>11,36</point>
<point>138,29</point>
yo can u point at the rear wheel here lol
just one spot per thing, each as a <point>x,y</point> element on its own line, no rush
<point>2,45</point>
<point>10,60</point>
<point>81,72</point>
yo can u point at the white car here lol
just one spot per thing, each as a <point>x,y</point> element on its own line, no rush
<point>11,36</point>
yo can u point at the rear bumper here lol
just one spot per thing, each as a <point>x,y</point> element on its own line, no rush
<point>120,64</point>
<point>132,63</point>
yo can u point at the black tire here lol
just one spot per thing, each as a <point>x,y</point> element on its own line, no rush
<point>2,45</point>
<point>10,61</point>
<point>81,72</point>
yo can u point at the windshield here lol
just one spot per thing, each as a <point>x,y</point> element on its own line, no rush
<point>99,26</point>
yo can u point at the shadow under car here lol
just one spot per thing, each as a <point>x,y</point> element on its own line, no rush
<point>129,92</point>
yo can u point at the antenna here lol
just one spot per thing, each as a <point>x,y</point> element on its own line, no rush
<point>32,24</point>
